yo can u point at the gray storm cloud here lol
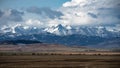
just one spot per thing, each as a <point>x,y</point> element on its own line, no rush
<point>45,12</point>
<point>10,15</point>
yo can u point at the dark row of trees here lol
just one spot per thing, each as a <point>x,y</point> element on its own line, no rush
<point>40,54</point>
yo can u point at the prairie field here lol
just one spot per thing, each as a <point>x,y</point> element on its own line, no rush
<point>56,56</point>
<point>60,61</point>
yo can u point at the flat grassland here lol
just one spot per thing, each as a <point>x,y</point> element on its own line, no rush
<point>60,61</point>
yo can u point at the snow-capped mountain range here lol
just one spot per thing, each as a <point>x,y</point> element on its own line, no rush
<point>62,34</point>
<point>60,30</point>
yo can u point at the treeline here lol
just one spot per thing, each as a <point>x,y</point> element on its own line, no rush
<point>27,54</point>
<point>42,54</point>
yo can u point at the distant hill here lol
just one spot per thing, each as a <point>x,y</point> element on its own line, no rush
<point>15,42</point>
<point>111,44</point>
<point>46,48</point>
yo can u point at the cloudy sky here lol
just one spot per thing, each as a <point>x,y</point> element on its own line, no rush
<point>44,13</point>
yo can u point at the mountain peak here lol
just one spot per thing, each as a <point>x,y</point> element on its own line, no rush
<point>60,27</point>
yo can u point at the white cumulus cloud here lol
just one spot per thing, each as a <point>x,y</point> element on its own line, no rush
<point>91,12</point>
<point>34,22</point>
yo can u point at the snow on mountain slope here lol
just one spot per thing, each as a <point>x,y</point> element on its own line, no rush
<point>62,34</point>
<point>60,30</point>
<point>101,31</point>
